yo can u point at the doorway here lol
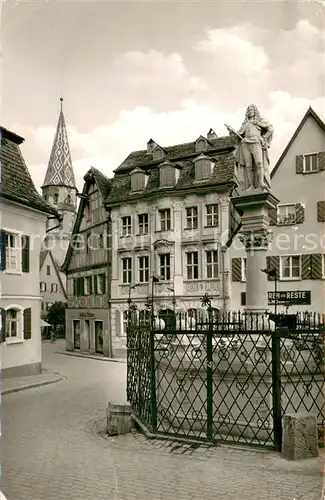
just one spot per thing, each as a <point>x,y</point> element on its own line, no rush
<point>99,336</point>
<point>87,333</point>
<point>76,333</point>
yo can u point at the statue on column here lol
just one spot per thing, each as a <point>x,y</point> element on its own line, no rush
<point>252,159</point>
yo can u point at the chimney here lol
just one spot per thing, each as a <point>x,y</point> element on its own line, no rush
<point>211,134</point>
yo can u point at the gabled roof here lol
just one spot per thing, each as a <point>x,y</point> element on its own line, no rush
<point>60,171</point>
<point>15,182</point>
<point>180,151</point>
<point>43,255</point>
<point>309,112</point>
<point>104,185</point>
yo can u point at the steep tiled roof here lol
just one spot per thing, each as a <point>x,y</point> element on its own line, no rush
<point>220,150</point>
<point>142,158</point>
<point>16,183</point>
<point>42,257</point>
<point>60,171</point>
<point>104,183</point>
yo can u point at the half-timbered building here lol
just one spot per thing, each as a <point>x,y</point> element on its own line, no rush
<point>88,268</point>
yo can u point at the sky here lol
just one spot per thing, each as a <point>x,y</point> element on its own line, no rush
<point>131,71</point>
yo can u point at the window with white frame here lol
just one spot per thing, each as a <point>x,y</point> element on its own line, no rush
<point>191,218</point>
<point>290,267</point>
<point>192,265</point>
<point>14,324</point>
<point>311,162</point>
<point>164,266</point>
<point>287,214</point>
<point>143,224</point>
<point>13,252</point>
<point>212,265</point>
<point>143,269</point>
<point>101,283</point>
<point>243,268</point>
<point>54,287</point>
<point>127,270</point>
<point>212,215</point>
<point>42,286</point>
<point>125,322</point>
<point>165,220</point>
<point>126,225</point>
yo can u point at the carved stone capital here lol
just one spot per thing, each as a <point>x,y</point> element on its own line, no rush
<point>256,239</point>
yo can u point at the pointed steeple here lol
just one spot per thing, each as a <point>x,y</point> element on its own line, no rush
<point>60,171</point>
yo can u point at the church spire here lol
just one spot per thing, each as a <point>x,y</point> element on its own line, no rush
<point>60,171</point>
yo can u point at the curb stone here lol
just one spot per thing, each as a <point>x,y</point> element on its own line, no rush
<point>31,386</point>
<point>90,356</point>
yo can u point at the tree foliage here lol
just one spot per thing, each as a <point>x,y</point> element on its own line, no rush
<point>56,314</point>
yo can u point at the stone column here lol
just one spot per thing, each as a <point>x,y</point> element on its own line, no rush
<point>256,235</point>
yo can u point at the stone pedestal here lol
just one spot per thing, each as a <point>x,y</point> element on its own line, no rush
<point>256,235</point>
<point>118,419</point>
<point>299,436</point>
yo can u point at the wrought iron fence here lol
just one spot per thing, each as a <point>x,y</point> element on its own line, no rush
<point>227,377</point>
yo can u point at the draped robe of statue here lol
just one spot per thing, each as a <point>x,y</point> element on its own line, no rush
<point>252,132</point>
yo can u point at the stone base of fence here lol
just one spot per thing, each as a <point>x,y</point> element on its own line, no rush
<point>300,438</point>
<point>118,418</point>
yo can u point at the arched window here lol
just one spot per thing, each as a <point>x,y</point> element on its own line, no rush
<point>68,199</point>
<point>45,197</point>
<point>169,318</point>
<point>125,322</point>
<point>55,198</point>
<point>14,323</point>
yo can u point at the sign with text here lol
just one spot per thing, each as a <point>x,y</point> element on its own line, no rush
<point>296,297</point>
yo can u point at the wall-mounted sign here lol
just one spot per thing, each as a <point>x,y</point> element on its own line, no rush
<point>86,314</point>
<point>296,297</point>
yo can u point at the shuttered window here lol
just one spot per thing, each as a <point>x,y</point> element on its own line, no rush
<point>27,323</point>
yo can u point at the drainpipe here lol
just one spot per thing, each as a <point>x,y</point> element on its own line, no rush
<point>109,283</point>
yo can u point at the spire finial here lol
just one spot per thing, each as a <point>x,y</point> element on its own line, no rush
<point>61,99</point>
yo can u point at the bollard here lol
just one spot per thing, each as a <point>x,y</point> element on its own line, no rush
<point>300,438</point>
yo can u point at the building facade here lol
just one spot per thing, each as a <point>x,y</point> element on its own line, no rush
<point>87,267</point>
<point>59,190</point>
<point>23,221</point>
<point>298,246</point>
<point>52,281</point>
<point>170,214</point>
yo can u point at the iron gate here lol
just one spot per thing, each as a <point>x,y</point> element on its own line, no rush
<point>229,380</point>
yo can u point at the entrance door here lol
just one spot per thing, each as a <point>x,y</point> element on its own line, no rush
<point>87,333</point>
<point>99,336</point>
<point>76,333</point>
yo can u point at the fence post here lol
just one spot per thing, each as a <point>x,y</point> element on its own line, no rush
<point>276,388</point>
<point>153,379</point>
<point>209,384</point>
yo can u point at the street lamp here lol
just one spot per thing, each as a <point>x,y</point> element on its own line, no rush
<point>273,274</point>
<point>174,298</point>
<point>131,287</point>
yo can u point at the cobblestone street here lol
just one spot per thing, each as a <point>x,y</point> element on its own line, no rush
<point>54,449</point>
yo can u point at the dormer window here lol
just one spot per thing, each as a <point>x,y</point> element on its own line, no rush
<point>211,135</point>
<point>168,175</point>
<point>201,144</point>
<point>151,146</point>
<point>138,180</point>
<point>158,153</point>
<point>203,168</point>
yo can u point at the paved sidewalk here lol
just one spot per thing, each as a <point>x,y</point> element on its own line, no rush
<point>15,384</point>
<point>98,357</point>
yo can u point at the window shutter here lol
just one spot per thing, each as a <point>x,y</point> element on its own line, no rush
<point>75,287</point>
<point>2,250</point>
<point>28,323</point>
<point>316,266</point>
<point>104,282</point>
<point>321,211</point>
<point>3,325</point>
<point>273,216</point>
<point>82,286</point>
<point>25,254</point>
<point>91,285</point>
<point>236,269</point>
<point>95,284</point>
<point>299,164</point>
<point>272,262</point>
<point>300,213</point>
<point>321,160</point>
<point>306,267</point>
<point>243,298</point>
